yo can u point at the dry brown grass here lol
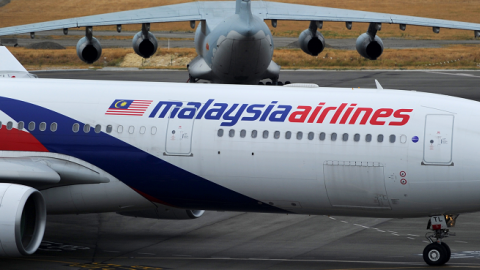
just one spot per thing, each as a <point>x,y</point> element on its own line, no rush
<point>27,11</point>
<point>454,57</point>
<point>46,59</point>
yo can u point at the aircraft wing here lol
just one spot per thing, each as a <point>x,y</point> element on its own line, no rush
<point>171,13</point>
<point>294,12</point>
<point>196,11</point>
<point>46,172</point>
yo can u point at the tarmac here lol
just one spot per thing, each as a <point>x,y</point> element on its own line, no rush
<point>231,240</point>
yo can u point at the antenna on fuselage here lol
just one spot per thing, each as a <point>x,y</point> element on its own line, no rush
<point>379,86</point>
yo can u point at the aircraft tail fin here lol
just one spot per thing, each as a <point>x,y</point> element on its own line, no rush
<point>8,62</point>
<point>10,67</point>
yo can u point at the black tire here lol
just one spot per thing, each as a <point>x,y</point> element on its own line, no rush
<point>435,254</point>
<point>447,249</point>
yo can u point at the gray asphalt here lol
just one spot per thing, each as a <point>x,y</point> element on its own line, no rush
<point>185,40</point>
<point>227,240</point>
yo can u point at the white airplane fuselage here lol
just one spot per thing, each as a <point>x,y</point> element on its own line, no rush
<point>191,147</point>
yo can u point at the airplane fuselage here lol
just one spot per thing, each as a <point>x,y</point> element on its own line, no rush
<point>237,51</point>
<point>377,153</point>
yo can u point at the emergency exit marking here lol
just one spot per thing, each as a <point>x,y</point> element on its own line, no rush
<point>403,174</point>
<point>403,181</point>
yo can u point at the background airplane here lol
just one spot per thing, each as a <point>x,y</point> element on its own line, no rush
<point>233,43</point>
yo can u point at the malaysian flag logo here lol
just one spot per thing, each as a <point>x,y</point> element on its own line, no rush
<point>128,107</point>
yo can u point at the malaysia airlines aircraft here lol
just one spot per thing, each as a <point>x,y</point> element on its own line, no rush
<point>232,40</point>
<point>167,150</point>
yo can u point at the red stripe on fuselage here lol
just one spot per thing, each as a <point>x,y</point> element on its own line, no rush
<point>17,140</point>
<point>150,198</point>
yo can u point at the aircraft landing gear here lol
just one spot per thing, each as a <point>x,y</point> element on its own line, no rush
<point>438,253</point>
<point>191,79</point>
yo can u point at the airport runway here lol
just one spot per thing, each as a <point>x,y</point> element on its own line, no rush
<point>227,240</point>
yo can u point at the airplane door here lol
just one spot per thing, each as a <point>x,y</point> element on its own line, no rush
<point>356,184</point>
<point>438,143</point>
<point>179,133</point>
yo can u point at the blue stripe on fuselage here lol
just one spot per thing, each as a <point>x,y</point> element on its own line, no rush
<point>136,168</point>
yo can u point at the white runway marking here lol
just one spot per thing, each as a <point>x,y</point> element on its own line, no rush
<point>453,74</point>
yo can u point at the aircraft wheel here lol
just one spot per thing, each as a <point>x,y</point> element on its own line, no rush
<point>447,249</point>
<point>435,254</point>
<point>287,82</point>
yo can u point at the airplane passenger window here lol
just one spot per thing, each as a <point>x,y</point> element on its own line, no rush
<point>288,135</point>
<point>380,138</point>
<point>120,129</point>
<point>333,137</point>
<point>142,130</point>
<point>154,130</point>
<point>9,125</point>
<point>131,129</point>
<point>220,133</point>
<point>243,133</point>
<point>98,128</point>
<point>86,128</point>
<point>53,127</point>
<point>276,135</point>
<point>42,126</point>
<point>322,136</point>
<point>356,137</point>
<point>311,135</point>
<point>109,128</point>
<point>0,124</point>
<point>392,138</point>
<point>31,126</point>
<point>265,134</point>
<point>345,137</point>
<point>368,138</point>
<point>75,128</point>
<point>21,125</point>
<point>254,133</point>
<point>231,133</point>
<point>299,135</point>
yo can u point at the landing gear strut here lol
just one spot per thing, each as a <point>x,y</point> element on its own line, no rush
<point>191,79</point>
<point>437,252</point>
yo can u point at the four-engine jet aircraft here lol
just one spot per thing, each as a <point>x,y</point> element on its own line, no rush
<point>157,150</point>
<point>233,43</point>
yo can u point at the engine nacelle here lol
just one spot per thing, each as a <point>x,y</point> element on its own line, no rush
<point>145,46</point>
<point>368,47</point>
<point>312,44</point>
<point>165,212</point>
<point>89,50</point>
<point>23,217</point>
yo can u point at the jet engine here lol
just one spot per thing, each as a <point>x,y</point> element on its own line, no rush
<point>144,43</point>
<point>369,45</point>
<point>89,49</point>
<point>165,212</point>
<point>311,43</point>
<point>22,220</point>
